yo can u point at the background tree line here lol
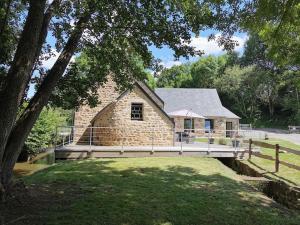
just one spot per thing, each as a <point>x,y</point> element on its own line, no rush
<point>252,85</point>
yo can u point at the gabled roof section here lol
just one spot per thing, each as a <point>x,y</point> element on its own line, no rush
<point>205,102</point>
<point>153,99</point>
<point>147,91</point>
<point>151,93</point>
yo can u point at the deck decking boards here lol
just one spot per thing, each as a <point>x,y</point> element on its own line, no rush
<point>200,150</point>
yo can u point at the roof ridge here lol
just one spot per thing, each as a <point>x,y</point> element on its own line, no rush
<point>187,88</point>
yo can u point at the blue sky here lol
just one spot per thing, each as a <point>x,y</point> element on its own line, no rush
<point>201,43</point>
<point>165,54</point>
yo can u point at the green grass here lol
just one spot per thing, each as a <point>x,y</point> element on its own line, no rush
<point>224,141</point>
<point>152,191</point>
<point>283,143</point>
<point>289,175</point>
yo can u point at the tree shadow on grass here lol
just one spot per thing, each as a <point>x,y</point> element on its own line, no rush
<point>99,192</point>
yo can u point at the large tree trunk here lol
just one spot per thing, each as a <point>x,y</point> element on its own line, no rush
<point>40,99</point>
<point>42,38</point>
<point>13,86</point>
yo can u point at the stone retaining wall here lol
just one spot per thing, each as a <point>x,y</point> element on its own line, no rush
<point>280,191</point>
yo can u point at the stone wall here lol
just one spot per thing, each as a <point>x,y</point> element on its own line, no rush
<point>85,114</point>
<point>235,123</point>
<point>198,125</point>
<point>219,125</point>
<point>119,129</point>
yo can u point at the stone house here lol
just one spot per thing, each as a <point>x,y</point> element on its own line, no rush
<point>134,117</point>
<point>141,116</point>
<point>199,110</point>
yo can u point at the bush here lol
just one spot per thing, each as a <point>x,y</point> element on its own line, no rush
<point>222,141</point>
<point>42,134</point>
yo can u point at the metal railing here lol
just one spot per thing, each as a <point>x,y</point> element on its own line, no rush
<point>153,137</point>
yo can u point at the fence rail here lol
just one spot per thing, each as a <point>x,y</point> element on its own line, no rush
<point>277,148</point>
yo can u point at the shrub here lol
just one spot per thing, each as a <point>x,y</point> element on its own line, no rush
<point>42,134</point>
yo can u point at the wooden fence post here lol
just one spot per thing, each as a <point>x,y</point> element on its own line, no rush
<point>250,148</point>
<point>277,158</point>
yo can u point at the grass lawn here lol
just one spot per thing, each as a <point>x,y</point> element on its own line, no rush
<point>220,141</point>
<point>289,175</point>
<point>283,143</point>
<point>144,191</point>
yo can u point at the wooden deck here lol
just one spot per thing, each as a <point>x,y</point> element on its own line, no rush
<point>198,149</point>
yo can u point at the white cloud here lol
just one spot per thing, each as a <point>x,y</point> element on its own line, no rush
<point>50,62</point>
<point>212,47</point>
<point>169,64</point>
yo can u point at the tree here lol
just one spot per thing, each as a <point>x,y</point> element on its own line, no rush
<point>206,70</point>
<point>109,31</point>
<point>277,25</point>
<point>268,88</point>
<point>240,85</point>
<point>151,80</point>
<point>176,76</point>
<point>291,96</point>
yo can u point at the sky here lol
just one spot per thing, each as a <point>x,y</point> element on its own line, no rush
<point>165,54</point>
<point>200,43</point>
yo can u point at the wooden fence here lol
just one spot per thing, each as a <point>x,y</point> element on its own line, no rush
<point>277,148</point>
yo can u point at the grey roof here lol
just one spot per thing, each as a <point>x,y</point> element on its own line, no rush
<point>205,102</point>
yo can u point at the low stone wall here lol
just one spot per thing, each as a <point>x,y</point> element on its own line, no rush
<point>280,191</point>
<point>135,136</point>
<point>283,193</point>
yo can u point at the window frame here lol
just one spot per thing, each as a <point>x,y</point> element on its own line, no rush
<point>211,125</point>
<point>141,111</point>
<point>192,129</point>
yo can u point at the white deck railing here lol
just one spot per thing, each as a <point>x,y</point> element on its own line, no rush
<point>153,137</point>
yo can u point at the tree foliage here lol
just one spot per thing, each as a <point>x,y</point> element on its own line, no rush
<point>42,134</point>
<point>176,76</point>
<point>277,24</point>
<point>206,70</point>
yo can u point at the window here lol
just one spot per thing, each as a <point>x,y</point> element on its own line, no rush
<point>189,125</point>
<point>209,125</point>
<point>136,111</point>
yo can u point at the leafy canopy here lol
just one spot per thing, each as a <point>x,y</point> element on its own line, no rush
<point>277,24</point>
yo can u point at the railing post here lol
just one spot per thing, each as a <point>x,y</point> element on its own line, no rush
<point>55,141</point>
<point>90,136</point>
<point>250,148</point>
<point>123,140</point>
<point>277,158</point>
<point>152,138</point>
<point>181,140</point>
<point>209,137</point>
<point>235,142</point>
